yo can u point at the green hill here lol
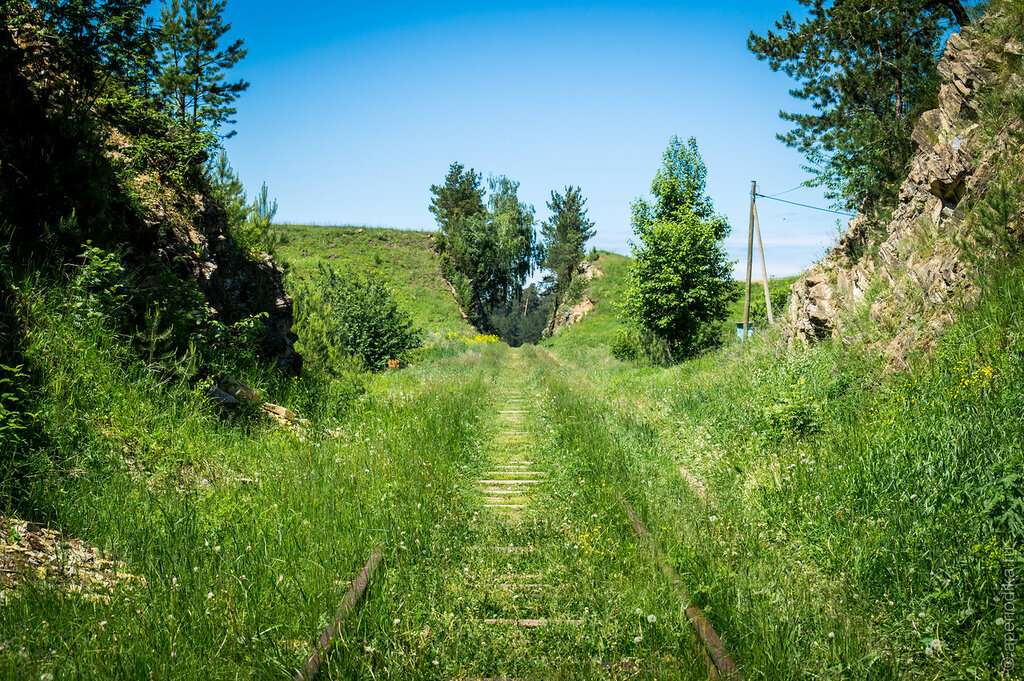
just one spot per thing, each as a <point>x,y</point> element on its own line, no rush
<point>406,257</point>
<point>598,327</point>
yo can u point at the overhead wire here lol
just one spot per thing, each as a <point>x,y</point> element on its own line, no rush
<point>799,186</point>
<point>804,205</point>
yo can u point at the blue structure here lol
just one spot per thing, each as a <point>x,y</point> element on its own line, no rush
<point>739,330</point>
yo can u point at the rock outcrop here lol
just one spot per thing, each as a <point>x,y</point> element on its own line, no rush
<point>572,315</point>
<point>907,275</point>
<point>236,285</point>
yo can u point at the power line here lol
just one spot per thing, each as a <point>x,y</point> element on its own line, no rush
<point>804,205</point>
<point>799,186</point>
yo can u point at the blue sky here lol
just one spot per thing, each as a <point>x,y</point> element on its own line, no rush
<point>355,109</point>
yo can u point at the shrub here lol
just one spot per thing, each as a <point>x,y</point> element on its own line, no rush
<point>640,346</point>
<point>341,315</point>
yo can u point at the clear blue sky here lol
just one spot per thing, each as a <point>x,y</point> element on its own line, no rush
<point>355,109</point>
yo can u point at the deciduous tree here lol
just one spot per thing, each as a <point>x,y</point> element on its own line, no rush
<point>679,283</point>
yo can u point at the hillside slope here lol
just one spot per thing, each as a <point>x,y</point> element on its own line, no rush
<point>407,258</point>
<point>597,328</point>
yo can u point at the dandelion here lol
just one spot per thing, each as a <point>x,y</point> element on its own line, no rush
<point>396,622</point>
<point>831,634</point>
<point>435,663</point>
<point>637,639</point>
<point>209,596</point>
<point>651,619</point>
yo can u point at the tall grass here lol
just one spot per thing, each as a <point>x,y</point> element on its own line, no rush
<point>857,522</point>
<point>238,536</point>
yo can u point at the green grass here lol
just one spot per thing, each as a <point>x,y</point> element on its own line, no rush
<point>598,327</point>
<point>850,517</point>
<point>839,503</point>
<point>405,257</point>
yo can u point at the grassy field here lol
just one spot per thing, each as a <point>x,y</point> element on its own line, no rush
<point>833,520</point>
<point>832,515</point>
<point>405,257</point>
<point>598,327</point>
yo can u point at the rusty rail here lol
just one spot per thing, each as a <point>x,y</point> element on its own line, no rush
<point>721,663</point>
<point>312,667</point>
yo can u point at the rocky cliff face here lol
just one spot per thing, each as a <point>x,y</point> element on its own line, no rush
<point>906,277</point>
<point>236,285</point>
<point>58,163</point>
<point>569,315</point>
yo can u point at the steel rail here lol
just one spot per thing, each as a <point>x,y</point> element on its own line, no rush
<point>352,599</point>
<point>711,642</point>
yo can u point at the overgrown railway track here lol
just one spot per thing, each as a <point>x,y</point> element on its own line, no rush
<point>539,586</point>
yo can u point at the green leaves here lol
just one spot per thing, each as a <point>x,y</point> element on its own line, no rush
<point>193,64</point>
<point>565,235</point>
<point>679,283</point>
<point>342,314</point>
<point>486,253</point>
<point>869,71</point>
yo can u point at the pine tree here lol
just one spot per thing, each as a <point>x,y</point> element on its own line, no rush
<point>565,235</point>
<point>227,188</point>
<point>868,67</point>
<point>461,196</point>
<point>193,64</point>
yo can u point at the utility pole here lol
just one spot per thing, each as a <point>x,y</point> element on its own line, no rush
<point>750,262</point>
<point>764,270</point>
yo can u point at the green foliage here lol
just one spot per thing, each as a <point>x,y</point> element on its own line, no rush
<point>514,247</point>
<point>163,317</point>
<point>343,314</point>
<point>98,290</point>
<point>256,234</point>
<point>194,63</point>
<point>639,346</point>
<point>15,422</point>
<point>679,282</point>
<point>461,196</point>
<point>523,318</point>
<point>99,39</point>
<point>227,188</point>
<point>869,74</point>
<point>486,253</point>
<point>565,236</point>
<point>793,413</point>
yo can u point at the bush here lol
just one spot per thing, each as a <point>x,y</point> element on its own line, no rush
<point>343,315</point>
<point>640,347</point>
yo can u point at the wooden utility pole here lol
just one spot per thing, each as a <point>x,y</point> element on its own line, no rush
<point>764,270</point>
<point>750,261</point>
